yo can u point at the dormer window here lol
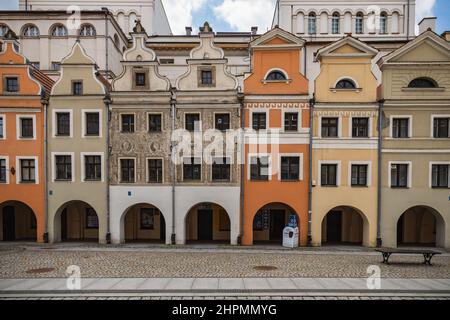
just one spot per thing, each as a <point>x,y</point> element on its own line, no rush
<point>423,83</point>
<point>206,77</point>
<point>77,88</point>
<point>140,78</point>
<point>346,84</point>
<point>276,76</point>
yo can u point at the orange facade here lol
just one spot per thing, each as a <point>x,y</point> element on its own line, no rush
<point>277,88</point>
<point>21,148</point>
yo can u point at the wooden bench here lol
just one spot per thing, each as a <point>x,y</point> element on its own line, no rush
<point>427,254</point>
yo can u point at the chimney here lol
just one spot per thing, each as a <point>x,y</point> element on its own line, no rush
<point>427,23</point>
<point>254,30</point>
<point>446,35</point>
<point>188,31</point>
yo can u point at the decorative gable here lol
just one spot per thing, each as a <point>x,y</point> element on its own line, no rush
<point>347,47</point>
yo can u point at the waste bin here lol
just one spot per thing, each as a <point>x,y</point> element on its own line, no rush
<point>290,237</point>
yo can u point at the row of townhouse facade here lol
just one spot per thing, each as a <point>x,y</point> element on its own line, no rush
<point>141,158</point>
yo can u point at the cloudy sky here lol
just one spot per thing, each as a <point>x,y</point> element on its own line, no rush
<point>241,15</point>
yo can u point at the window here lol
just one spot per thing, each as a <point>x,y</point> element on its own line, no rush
<point>440,178</point>
<point>222,121</point>
<point>3,171</point>
<point>259,121</point>
<point>192,169</point>
<point>400,128</point>
<point>3,29</point>
<point>155,170</point>
<point>91,219</point>
<point>147,218</point>
<point>59,31</point>
<point>2,127</point>
<point>11,84</point>
<point>399,176</point>
<point>221,169</point>
<point>290,168</point>
<point>360,127</point>
<point>154,122</point>
<point>359,175</point>
<point>383,23</point>
<point>27,171</point>
<point>92,124</point>
<point>127,123</point>
<point>166,61</point>
<point>127,170</point>
<point>77,88</point>
<point>259,168</point>
<point>192,122</point>
<point>140,79</point>
<point>440,128</point>
<point>335,23</point>
<point>63,124</point>
<point>207,77</point>
<point>291,121</point>
<point>93,168</point>
<point>26,128</point>
<point>345,84</point>
<point>276,76</point>
<point>330,127</point>
<point>423,83</point>
<point>56,66</point>
<point>87,30</point>
<point>63,168</point>
<point>30,31</point>
<point>328,175</point>
<point>359,23</point>
<point>312,27</point>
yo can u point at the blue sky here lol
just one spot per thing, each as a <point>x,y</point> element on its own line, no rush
<point>241,15</point>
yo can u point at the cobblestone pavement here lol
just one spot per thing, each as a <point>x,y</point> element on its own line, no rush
<point>23,261</point>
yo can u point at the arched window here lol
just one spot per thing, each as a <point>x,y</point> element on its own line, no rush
<point>30,31</point>
<point>335,26</point>
<point>87,30</point>
<point>276,76</point>
<point>346,84</point>
<point>359,27</point>
<point>383,23</point>
<point>3,29</point>
<point>312,26</point>
<point>423,83</point>
<point>58,31</point>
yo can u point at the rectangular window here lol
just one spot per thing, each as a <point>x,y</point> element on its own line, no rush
<point>291,121</point>
<point>2,170</point>
<point>127,170</point>
<point>259,121</point>
<point>26,128</point>
<point>221,169</point>
<point>290,168</point>
<point>92,124</point>
<point>207,77</point>
<point>140,78</point>
<point>77,88</point>
<point>360,127</point>
<point>192,122</point>
<point>222,122</point>
<point>359,24</point>
<point>127,123</point>
<point>166,61</point>
<point>335,25</point>
<point>63,168</point>
<point>147,218</point>
<point>27,171</point>
<point>259,168</point>
<point>2,127</point>
<point>154,122</point>
<point>91,219</point>
<point>93,168</point>
<point>440,176</point>
<point>328,174</point>
<point>399,176</point>
<point>330,127</point>
<point>155,170</point>
<point>440,128</point>
<point>192,169</point>
<point>400,128</point>
<point>359,175</point>
<point>12,84</point>
<point>63,124</point>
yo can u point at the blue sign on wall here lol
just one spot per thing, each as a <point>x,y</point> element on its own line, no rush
<point>292,221</point>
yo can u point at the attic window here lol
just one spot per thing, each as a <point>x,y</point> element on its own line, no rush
<point>423,83</point>
<point>140,79</point>
<point>166,61</point>
<point>346,84</point>
<point>276,76</point>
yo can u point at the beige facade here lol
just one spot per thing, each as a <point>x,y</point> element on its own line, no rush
<point>77,153</point>
<point>416,157</point>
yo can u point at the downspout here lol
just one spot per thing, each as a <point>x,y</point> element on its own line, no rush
<point>380,147</point>
<point>312,102</point>
<point>409,17</point>
<point>106,42</point>
<point>45,236</point>
<point>107,101</point>
<point>173,102</point>
<point>242,146</point>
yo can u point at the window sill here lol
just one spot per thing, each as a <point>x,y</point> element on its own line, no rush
<point>335,90</point>
<point>155,183</point>
<point>399,188</point>
<point>220,181</point>
<point>440,188</point>
<point>92,180</point>
<point>423,89</point>
<point>328,186</point>
<point>360,187</point>
<point>63,180</point>
<point>27,182</point>
<point>287,81</point>
<point>290,180</point>
<point>259,180</point>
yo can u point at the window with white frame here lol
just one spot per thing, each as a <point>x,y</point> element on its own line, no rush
<point>259,168</point>
<point>30,31</point>
<point>63,167</point>
<point>401,127</point>
<point>400,175</point>
<point>290,167</point>
<point>291,121</point>
<point>26,127</point>
<point>383,23</point>
<point>329,174</point>
<point>2,126</point>
<point>63,123</point>
<point>360,127</point>
<point>192,169</point>
<point>312,23</point>
<point>59,31</point>
<point>4,170</point>
<point>92,167</point>
<point>441,127</point>
<point>221,169</point>
<point>92,126</point>
<point>359,175</point>
<point>27,170</point>
<point>440,175</point>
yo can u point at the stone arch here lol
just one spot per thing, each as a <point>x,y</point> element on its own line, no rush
<point>18,221</point>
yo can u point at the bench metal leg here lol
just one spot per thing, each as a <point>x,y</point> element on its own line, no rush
<point>386,256</point>
<point>427,258</point>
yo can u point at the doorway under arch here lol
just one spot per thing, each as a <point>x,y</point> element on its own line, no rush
<point>18,222</point>
<point>77,221</point>
<point>206,223</point>
<point>144,223</point>
<point>344,225</point>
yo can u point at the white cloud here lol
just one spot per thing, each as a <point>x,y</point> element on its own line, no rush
<point>424,8</point>
<point>241,15</point>
<point>179,13</point>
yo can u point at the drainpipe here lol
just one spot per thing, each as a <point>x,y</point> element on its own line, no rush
<point>107,101</point>
<point>312,102</point>
<point>380,146</point>
<point>241,229</point>
<point>407,23</point>
<point>106,42</point>
<point>45,161</point>
<point>173,103</point>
